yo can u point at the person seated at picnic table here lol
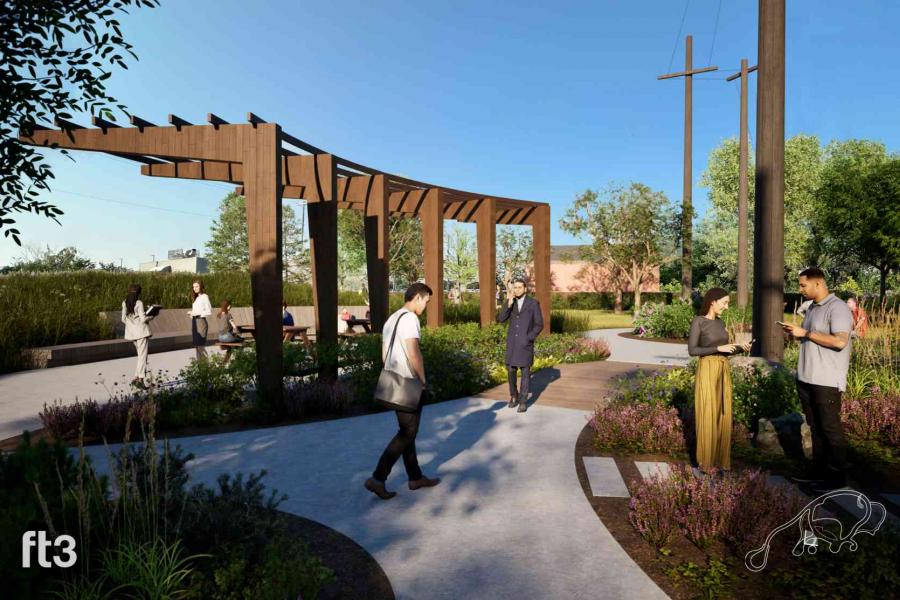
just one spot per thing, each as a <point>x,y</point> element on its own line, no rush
<point>287,319</point>
<point>228,330</point>
<point>343,325</point>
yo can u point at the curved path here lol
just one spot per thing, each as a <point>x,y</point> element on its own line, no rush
<point>640,351</point>
<point>509,519</point>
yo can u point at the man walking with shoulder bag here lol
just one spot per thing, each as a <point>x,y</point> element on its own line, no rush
<point>403,366</point>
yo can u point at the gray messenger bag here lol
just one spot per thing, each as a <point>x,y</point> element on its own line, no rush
<point>394,390</point>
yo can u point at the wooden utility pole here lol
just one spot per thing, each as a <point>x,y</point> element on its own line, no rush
<point>687,211</point>
<point>768,243</point>
<point>742,291</point>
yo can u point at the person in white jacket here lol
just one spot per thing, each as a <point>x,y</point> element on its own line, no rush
<point>200,310</point>
<point>137,329</point>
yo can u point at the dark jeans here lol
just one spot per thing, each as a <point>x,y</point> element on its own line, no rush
<point>403,444</point>
<point>822,407</point>
<point>522,393</point>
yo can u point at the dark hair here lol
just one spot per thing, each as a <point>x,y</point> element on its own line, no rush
<point>711,296</point>
<point>284,304</point>
<point>520,280</point>
<point>813,273</point>
<point>134,292</point>
<point>416,289</point>
<point>202,289</point>
<point>223,308</point>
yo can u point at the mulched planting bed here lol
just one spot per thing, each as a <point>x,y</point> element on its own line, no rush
<point>613,512</point>
<point>357,574</point>
<point>634,336</point>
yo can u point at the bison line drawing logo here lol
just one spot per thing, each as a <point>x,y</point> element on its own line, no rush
<point>815,527</point>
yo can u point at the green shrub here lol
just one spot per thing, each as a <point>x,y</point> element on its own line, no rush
<point>603,300</point>
<point>762,392</point>
<point>665,320</point>
<point>562,321</point>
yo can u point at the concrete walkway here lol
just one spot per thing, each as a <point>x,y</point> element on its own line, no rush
<point>640,351</point>
<point>509,519</point>
<point>23,394</point>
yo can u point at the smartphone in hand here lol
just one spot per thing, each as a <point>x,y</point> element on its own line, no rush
<point>782,324</point>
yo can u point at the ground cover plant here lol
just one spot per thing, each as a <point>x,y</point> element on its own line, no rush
<point>142,532</point>
<point>461,360</point>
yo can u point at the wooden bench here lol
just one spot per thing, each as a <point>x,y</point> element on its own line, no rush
<point>228,347</point>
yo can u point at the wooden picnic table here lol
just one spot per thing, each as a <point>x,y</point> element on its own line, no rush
<point>289,332</point>
<point>366,324</point>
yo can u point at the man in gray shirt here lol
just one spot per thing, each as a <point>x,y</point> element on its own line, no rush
<point>821,377</point>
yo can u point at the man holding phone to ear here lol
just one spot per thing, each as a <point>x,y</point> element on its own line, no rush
<point>821,377</point>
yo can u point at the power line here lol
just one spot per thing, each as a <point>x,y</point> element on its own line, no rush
<point>687,3</point>
<point>123,202</point>
<point>715,31</point>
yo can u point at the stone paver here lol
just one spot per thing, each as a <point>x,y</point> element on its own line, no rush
<point>604,477</point>
<point>652,469</point>
<point>509,519</point>
<point>641,351</point>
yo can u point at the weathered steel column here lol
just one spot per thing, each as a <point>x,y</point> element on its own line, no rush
<point>432,216</point>
<point>378,242</point>
<point>540,227</point>
<point>262,190</point>
<point>323,258</point>
<point>768,247</point>
<point>486,226</point>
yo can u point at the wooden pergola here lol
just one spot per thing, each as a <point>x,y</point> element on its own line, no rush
<point>268,165</point>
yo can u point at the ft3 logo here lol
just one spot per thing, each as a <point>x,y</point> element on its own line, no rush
<point>64,544</point>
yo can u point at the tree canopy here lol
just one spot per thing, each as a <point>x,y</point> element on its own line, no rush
<point>57,58</point>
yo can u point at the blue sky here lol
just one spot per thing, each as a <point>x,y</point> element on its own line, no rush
<point>532,100</point>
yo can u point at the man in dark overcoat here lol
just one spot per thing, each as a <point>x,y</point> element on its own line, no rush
<point>525,324</point>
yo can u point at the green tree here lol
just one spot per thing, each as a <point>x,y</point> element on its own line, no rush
<point>515,253</point>
<point>716,240</point>
<point>629,229</point>
<point>228,248</point>
<point>405,235</point>
<point>57,58</point>
<point>860,210</point>
<point>48,261</point>
<point>460,257</point>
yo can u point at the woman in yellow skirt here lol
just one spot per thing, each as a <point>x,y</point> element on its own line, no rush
<point>712,388</point>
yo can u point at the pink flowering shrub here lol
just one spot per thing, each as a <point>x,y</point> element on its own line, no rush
<point>873,417</point>
<point>739,509</point>
<point>638,428</point>
<point>653,510</point>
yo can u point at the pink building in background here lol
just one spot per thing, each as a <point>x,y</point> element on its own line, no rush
<point>570,274</point>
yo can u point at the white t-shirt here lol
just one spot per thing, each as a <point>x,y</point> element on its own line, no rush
<point>395,358</point>
<point>201,306</point>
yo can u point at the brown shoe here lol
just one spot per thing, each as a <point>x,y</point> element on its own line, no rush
<point>512,403</point>
<point>424,482</point>
<point>522,406</point>
<point>378,488</point>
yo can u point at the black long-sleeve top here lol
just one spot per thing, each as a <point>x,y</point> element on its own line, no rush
<point>706,336</point>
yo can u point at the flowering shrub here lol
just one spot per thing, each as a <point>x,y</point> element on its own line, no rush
<point>875,417</point>
<point>739,509</point>
<point>302,399</point>
<point>673,387</point>
<point>104,420</point>
<point>638,427</point>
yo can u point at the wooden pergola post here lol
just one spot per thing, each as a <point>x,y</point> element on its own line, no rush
<point>323,258</point>
<point>262,190</point>
<point>486,236</point>
<point>378,243</point>
<point>540,227</point>
<point>432,215</point>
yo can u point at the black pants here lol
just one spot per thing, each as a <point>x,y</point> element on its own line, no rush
<point>403,444</point>
<point>822,407</point>
<point>522,392</point>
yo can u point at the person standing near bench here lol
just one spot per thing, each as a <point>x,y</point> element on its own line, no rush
<point>200,310</point>
<point>137,329</point>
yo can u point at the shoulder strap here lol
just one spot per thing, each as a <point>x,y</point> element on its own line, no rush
<point>393,336</point>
